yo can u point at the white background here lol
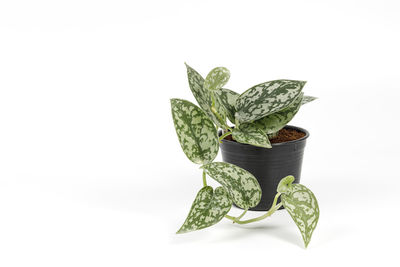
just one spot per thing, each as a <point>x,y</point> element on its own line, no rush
<point>91,171</point>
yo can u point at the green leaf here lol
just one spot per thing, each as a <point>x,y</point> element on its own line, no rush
<point>216,78</point>
<point>204,98</point>
<point>250,134</point>
<point>302,206</point>
<point>285,184</point>
<point>266,98</point>
<point>276,121</point>
<point>241,185</point>
<point>228,100</point>
<point>307,99</point>
<point>196,132</point>
<point>208,208</point>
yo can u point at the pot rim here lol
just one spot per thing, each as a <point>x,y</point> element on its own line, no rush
<point>274,144</point>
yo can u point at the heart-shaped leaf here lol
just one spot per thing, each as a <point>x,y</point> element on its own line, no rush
<point>266,98</point>
<point>196,132</point>
<point>302,206</point>
<point>276,121</point>
<point>242,186</point>
<point>207,209</point>
<point>204,98</point>
<point>216,78</point>
<point>228,100</point>
<point>250,134</point>
<point>307,99</point>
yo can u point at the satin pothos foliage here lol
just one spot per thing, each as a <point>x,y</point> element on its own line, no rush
<point>257,113</point>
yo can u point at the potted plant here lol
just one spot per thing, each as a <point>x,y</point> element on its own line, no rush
<point>258,114</point>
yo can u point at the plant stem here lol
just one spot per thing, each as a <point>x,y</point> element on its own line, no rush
<point>204,179</point>
<point>219,117</point>
<point>212,99</point>
<point>241,215</point>
<point>237,123</point>
<point>223,136</point>
<point>230,218</point>
<point>216,113</point>
<point>234,219</point>
<point>266,215</point>
<point>273,208</point>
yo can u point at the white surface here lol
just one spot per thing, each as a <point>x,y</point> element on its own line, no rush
<point>92,174</point>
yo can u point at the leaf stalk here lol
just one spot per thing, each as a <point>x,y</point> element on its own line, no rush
<point>274,207</point>
<point>224,135</point>
<point>204,179</point>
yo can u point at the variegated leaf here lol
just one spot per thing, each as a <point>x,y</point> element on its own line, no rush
<point>307,99</point>
<point>276,121</point>
<point>285,184</point>
<point>203,97</point>
<point>250,134</point>
<point>266,98</point>
<point>196,132</point>
<point>228,100</point>
<point>209,207</point>
<point>216,78</point>
<point>242,186</point>
<point>302,206</point>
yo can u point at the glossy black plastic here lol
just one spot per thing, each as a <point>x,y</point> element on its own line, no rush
<point>269,166</point>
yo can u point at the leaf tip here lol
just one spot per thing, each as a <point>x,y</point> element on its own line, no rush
<point>267,145</point>
<point>182,230</point>
<point>187,65</point>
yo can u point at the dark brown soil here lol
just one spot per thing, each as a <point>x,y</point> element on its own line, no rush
<point>284,135</point>
<point>229,137</point>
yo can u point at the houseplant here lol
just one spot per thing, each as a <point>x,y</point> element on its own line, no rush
<point>197,132</point>
<point>259,114</point>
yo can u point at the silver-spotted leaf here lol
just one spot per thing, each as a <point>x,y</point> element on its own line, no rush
<point>242,186</point>
<point>285,184</point>
<point>228,100</point>
<point>216,78</point>
<point>204,98</point>
<point>266,98</point>
<point>307,99</point>
<point>208,208</point>
<point>302,206</point>
<point>276,121</point>
<point>250,134</point>
<point>196,132</point>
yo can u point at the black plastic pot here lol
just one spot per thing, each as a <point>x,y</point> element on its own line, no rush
<point>268,165</point>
